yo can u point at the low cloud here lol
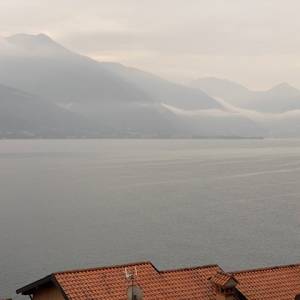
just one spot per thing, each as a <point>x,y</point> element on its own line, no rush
<point>233,111</point>
<point>259,116</point>
<point>200,112</point>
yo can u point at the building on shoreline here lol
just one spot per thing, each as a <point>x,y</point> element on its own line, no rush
<point>143,281</point>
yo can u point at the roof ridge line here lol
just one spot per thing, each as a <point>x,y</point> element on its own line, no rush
<point>222,272</point>
<point>135,264</point>
<point>106,267</point>
<point>190,268</point>
<point>265,269</point>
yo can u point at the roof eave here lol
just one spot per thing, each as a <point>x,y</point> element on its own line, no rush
<point>29,288</point>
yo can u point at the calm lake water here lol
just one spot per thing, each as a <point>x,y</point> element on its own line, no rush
<point>69,204</point>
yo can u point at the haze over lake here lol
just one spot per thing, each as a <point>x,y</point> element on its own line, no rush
<point>68,204</point>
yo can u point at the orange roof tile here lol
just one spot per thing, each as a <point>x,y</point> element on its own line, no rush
<point>110,283</point>
<point>276,283</point>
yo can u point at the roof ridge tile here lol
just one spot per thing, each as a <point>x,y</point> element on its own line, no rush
<point>190,268</point>
<point>265,269</point>
<point>105,268</point>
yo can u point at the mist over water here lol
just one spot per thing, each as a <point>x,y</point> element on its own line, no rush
<point>69,204</point>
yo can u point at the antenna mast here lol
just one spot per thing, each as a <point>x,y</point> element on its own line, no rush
<point>134,291</point>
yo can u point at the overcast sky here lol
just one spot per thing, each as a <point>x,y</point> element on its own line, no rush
<point>255,42</point>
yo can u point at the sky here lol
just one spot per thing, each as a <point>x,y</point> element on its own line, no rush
<point>254,42</point>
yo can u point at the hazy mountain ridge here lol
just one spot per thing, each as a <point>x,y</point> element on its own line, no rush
<point>39,44</point>
<point>61,75</point>
<point>276,110</point>
<point>87,98</point>
<point>281,98</point>
<point>164,91</point>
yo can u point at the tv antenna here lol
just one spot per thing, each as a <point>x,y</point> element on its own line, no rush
<point>130,275</point>
<point>134,292</point>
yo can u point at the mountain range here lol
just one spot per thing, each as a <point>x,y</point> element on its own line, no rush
<point>281,98</point>
<point>47,90</point>
<point>276,110</point>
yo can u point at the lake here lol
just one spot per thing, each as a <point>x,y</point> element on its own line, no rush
<point>68,204</point>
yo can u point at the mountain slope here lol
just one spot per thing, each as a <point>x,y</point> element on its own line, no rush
<point>42,66</point>
<point>65,76</point>
<point>164,91</point>
<point>26,115</point>
<point>279,99</point>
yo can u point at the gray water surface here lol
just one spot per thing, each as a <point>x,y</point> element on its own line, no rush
<point>68,204</point>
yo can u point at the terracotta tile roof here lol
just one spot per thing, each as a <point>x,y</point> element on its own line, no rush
<point>221,278</point>
<point>276,283</point>
<point>110,283</point>
<point>198,283</point>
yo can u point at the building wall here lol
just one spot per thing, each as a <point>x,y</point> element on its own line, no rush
<point>48,293</point>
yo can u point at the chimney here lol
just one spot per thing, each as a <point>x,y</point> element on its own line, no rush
<point>224,285</point>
